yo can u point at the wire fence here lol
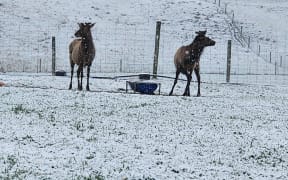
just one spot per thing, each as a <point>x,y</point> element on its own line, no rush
<point>273,50</point>
<point>129,48</point>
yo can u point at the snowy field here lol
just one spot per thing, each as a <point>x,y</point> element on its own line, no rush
<point>124,34</point>
<point>233,131</point>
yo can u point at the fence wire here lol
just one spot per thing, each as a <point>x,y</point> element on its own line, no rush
<point>130,49</point>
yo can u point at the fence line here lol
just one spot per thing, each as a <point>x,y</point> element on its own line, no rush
<point>269,52</point>
<point>130,49</point>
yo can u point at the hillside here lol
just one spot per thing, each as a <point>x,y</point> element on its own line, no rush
<point>125,31</point>
<point>235,130</point>
<point>124,35</point>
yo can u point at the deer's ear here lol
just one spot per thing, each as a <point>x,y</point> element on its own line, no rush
<point>92,25</point>
<point>201,32</point>
<point>80,25</point>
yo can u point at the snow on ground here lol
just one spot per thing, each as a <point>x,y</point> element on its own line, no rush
<point>234,131</point>
<point>231,132</point>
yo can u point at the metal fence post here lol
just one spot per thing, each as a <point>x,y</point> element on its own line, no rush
<point>229,47</point>
<point>156,52</point>
<point>53,56</point>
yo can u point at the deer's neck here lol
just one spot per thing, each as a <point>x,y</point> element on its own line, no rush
<point>87,42</point>
<point>196,49</point>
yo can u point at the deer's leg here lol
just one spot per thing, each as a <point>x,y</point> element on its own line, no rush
<point>72,70</point>
<point>197,72</point>
<point>189,78</point>
<point>80,76</point>
<point>175,81</point>
<point>81,87</point>
<point>88,75</point>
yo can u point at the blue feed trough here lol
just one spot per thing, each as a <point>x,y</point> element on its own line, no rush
<point>143,87</point>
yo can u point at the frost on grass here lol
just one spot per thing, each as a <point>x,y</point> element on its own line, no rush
<point>234,132</point>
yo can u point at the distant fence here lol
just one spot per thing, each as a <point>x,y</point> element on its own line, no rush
<point>119,48</point>
<point>266,46</point>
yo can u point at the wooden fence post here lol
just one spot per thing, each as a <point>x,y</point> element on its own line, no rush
<point>40,66</point>
<point>37,67</point>
<point>270,57</point>
<point>156,52</point>
<point>229,47</point>
<point>121,65</point>
<point>53,56</point>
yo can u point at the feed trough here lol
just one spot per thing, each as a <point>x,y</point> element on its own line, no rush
<point>60,73</point>
<point>143,87</point>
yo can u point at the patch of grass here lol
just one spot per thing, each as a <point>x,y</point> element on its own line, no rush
<point>20,109</point>
<point>147,178</point>
<point>93,176</point>
<point>17,174</point>
<point>11,162</point>
<point>28,138</point>
<point>79,126</point>
<point>269,157</point>
<point>10,170</point>
<point>40,115</point>
<point>91,126</point>
<point>52,117</point>
<point>138,106</point>
<point>91,156</point>
<point>8,93</point>
<point>92,139</point>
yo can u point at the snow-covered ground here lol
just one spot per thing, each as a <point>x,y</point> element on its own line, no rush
<point>234,131</point>
<point>231,132</point>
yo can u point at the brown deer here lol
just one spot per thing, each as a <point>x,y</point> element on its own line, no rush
<point>187,59</point>
<point>82,53</point>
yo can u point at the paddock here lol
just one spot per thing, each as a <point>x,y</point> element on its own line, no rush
<point>236,131</point>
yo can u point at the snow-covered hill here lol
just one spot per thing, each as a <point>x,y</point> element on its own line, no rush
<point>124,34</point>
<point>234,131</point>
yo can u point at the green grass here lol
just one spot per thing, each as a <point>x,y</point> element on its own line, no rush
<point>20,109</point>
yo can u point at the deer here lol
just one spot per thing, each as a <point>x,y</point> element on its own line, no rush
<point>187,59</point>
<point>82,52</point>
